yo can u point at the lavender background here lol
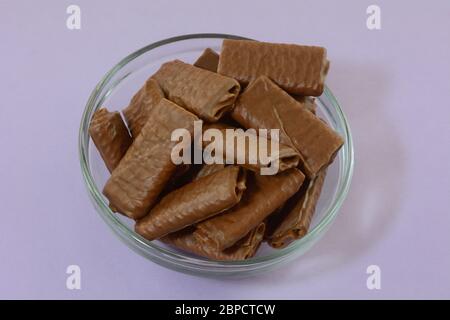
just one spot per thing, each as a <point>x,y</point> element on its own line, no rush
<point>394,85</point>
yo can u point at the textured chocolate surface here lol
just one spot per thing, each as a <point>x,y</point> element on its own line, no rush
<point>242,250</point>
<point>136,114</point>
<point>205,93</point>
<point>297,69</point>
<point>194,202</point>
<point>110,136</point>
<point>286,157</point>
<point>294,219</point>
<point>308,102</point>
<point>264,195</point>
<point>265,105</point>
<point>209,60</point>
<point>208,169</point>
<point>147,166</point>
<point>183,174</point>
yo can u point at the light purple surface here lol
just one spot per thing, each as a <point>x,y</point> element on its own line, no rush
<point>394,85</point>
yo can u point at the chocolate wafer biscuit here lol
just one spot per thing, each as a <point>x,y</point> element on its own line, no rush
<point>194,202</point>
<point>297,69</point>
<point>136,114</point>
<point>264,195</point>
<point>205,93</point>
<point>242,250</point>
<point>147,166</point>
<point>294,219</point>
<point>209,60</point>
<point>110,136</point>
<point>265,105</point>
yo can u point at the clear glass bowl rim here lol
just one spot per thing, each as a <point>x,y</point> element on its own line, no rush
<point>178,260</point>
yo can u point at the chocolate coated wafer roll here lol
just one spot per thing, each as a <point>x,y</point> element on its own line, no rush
<point>242,250</point>
<point>265,105</point>
<point>186,173</point>
<point>205,93</point>
<point>194,202</point>
<point>136,114</point>
<point>294,219</point>
<point>264,195</point>
<point>110,136</point>
<point>147,166</point>
<point>249,150</point>
<point>297,69</point>
<point>209,60</point>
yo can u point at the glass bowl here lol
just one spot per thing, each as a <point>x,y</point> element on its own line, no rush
<point>115,91</point>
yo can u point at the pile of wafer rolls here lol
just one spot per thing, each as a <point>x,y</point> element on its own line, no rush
<point>225,210</point>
